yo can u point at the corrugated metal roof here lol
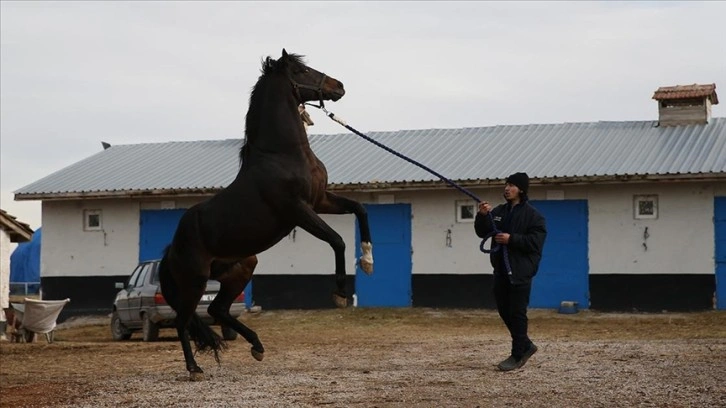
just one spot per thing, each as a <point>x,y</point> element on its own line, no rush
<point>551,151</point>
<point>200,165</point>
<point>543,151</point>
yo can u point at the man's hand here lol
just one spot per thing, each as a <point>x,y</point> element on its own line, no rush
<point>484,208</point>
<point>502,238</point>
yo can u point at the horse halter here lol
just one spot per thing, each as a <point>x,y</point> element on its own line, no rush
<point>317,89</point>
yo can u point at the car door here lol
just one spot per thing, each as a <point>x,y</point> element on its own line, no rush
<point>122,298</point>
<point>135,294</point>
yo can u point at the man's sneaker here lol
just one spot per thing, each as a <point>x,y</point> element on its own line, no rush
<point>509,364</point>
<point>512,363</point>
<point>527,354</point>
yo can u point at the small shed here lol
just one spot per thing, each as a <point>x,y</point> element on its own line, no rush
<point>685,104</point>
<point>11,231</point>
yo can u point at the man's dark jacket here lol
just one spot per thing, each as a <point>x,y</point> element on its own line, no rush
<point>527,236</point>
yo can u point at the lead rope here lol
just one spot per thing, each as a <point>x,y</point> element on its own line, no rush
<point>495,247</point>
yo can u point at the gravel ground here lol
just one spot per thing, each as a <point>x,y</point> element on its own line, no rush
<point>385,358</point>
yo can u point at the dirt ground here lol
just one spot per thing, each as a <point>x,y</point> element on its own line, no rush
<point>385,358</point>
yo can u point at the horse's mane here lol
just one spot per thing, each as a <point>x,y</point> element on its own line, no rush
<point>269,66</point>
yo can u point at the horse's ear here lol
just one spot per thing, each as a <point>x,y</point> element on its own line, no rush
<point>284,54</point>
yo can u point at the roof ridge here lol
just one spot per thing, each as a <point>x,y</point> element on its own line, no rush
<point>501,126</point>
<point>180,142</point>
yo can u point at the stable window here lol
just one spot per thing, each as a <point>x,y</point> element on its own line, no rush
<point>92,220</point>
<point>465,211</point>
<point>645,207</point>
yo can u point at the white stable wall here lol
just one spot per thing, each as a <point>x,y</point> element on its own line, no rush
<point>67,250</point>
<point>681,239</point>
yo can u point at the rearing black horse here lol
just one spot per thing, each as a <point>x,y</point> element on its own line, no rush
<point>281,184</point>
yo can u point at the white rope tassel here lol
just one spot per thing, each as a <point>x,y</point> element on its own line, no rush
<point>305,116</point>
<point>337,119</point>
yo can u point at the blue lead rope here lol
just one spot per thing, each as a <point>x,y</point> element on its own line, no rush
<point>495,247</point>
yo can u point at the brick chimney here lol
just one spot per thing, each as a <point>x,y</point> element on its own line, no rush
<point>685,104</point>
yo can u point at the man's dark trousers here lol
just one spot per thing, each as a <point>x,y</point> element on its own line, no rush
<point>512,301</point>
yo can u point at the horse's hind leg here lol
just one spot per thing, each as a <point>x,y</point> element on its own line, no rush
<point>334,204</point>
<point>184,299</point>
<point>233,278</point>
<point>308,220</point>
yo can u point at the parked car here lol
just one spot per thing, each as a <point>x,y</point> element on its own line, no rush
<point>140,306</point>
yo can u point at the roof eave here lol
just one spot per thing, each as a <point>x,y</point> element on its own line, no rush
<point>388,186</point>
<point>90,195</point>
<point>17,231</point>
<point>540,181</point>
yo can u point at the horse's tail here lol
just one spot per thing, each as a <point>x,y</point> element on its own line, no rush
<point>205,339</point>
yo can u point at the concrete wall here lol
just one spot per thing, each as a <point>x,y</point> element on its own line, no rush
<point>302,254</point>
<point>681,239</point>
<point>5,251</point>
<point>68,250</point>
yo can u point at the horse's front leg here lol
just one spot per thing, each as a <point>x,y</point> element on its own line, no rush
<point>308,220</point>
<point>334,204</point>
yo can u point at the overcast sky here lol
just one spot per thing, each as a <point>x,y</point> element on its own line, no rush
<point>73,74</point>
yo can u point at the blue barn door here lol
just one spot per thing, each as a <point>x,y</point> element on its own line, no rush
<point>156,232</point>
<point>390,283</point>
<point>564,269</point>
<point>157,228</point>
<point>719,221</point>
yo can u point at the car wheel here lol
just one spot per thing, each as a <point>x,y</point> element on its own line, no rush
<point>228,333</point>
<point>118,330</point>
<point>150,329</point>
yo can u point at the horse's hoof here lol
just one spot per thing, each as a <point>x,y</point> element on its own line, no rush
<point>366,266</point>
<point>196,376</point>
<point>340,301</point>
<point>258,355</point>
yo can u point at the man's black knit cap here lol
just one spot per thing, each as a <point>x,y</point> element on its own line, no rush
<point>521,180</point>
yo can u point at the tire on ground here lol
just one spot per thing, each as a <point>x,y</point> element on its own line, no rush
<point>150,329</point>
<point>118,330</point>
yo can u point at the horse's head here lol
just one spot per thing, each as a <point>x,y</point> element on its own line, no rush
<point>309,84</point>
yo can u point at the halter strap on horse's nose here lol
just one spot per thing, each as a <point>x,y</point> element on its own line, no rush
<point>318,89</point>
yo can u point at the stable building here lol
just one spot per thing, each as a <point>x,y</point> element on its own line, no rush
<point>635,210</point>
